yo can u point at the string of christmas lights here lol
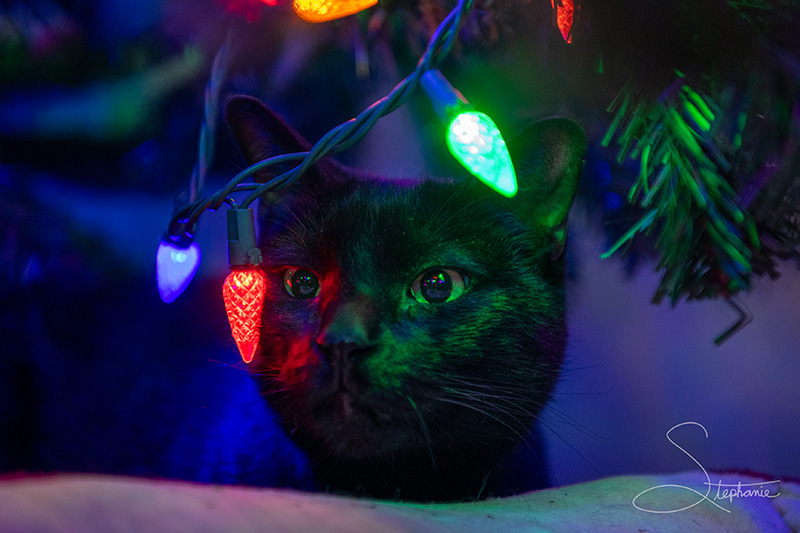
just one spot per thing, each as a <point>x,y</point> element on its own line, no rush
<point>178,256</point>
<point>472,138</point>
<point>340,138</point>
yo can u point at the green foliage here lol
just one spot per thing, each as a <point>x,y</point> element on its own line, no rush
<point>684,188</point>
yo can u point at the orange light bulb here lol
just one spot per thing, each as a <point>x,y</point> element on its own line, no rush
<point>243,293</point>
<point>325,10</point>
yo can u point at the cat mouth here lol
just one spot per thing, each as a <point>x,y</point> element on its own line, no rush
<point>345,401</point>
<point>344,406</point>
<point>351,425</point>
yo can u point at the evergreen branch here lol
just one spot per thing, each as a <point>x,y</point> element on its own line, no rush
<point>706,240</point>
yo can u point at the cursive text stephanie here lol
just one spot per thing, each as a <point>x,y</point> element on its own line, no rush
<point>725,491</point>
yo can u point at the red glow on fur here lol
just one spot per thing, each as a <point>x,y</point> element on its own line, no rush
<point>295,366</point>
<point>243,293</point>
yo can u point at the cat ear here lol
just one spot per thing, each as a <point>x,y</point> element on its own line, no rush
<point>261,134</point>
<point>548,157</point>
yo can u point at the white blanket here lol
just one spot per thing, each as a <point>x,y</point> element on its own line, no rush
<point>69,503</point>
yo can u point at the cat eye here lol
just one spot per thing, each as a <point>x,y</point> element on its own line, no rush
<point>301,283</point>
<point>438,285</point>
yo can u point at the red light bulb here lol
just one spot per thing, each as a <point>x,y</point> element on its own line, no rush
<point>565,13</point>
<point>243,293</point>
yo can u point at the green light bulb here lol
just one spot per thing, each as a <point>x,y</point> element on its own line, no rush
<point>475,141</point>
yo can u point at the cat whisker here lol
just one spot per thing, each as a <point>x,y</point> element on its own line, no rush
<point>235,366</point>
<point>488,383</point>
<point>278,391</point>
<point>573,422</point>
<point>573,448</point>
<point>491,392</point>
<point>425,431</point>
<point>497,419</point>
<point>302,223</point>
<point>491,401</point>
<point>523,434</point>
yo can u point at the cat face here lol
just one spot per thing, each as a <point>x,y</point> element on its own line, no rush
<point>411,319</point>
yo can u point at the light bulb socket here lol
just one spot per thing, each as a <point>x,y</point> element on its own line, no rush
<point>181,240</point>
<point>242,245</point>
<point>447,100</point>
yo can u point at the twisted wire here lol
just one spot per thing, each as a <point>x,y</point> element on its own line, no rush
<point>184,221</point>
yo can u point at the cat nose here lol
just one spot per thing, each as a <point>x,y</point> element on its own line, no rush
<point>347,329</point>
<point>343,355</point>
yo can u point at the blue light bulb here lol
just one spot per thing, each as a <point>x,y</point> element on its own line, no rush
<point>175,268</point>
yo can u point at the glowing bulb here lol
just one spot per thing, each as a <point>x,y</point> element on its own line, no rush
<point>475,141</point>
<point>243,294</point>
<point>472,137</point>
<point>325,10</point>
<point>175,268</point>
<point>564,16</point>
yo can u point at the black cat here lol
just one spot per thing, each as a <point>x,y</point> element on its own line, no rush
<point>412,330</point>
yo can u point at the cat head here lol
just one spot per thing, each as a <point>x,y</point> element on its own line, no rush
<point>411,318</point>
